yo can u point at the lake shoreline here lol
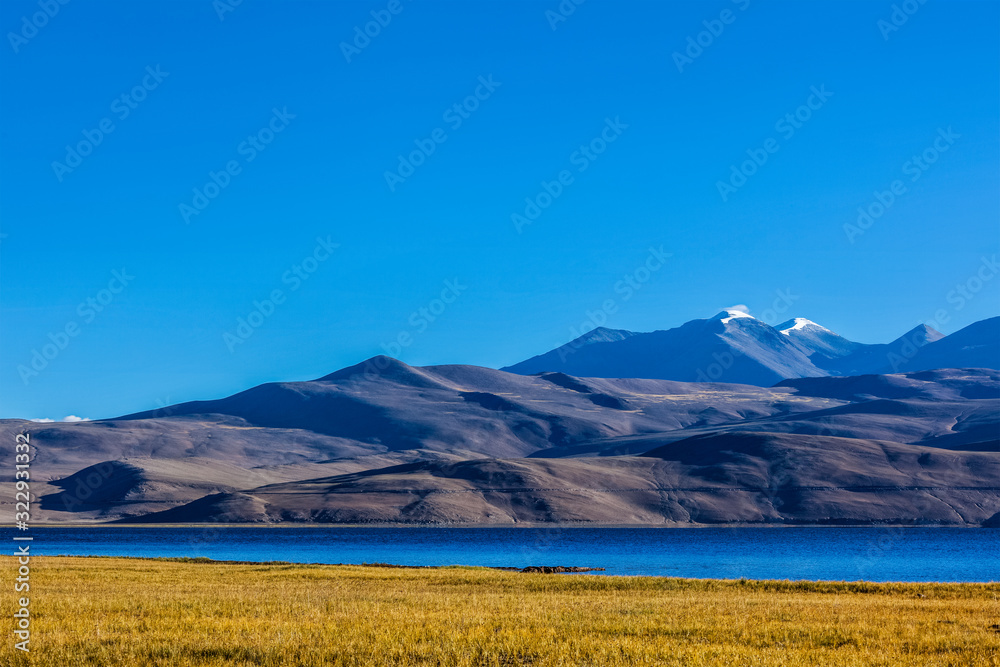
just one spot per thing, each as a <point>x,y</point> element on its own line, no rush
<point>835,553</point>
<point>531,569</point>
<point>495,526</point>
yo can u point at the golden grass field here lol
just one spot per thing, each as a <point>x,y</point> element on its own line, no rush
<point>105,612</point>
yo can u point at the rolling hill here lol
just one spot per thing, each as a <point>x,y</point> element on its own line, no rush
<point>386,442</point>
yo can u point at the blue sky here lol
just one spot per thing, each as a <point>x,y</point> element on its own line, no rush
<point>308,135</point>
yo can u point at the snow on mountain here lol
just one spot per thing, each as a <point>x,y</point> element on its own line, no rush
<point>811,339</point>
<point>733,346</point>
<point>798,323</point>
<point>731,314</point>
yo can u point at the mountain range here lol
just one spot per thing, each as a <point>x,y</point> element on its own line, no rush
<point>385,442</point>
<point>736,347</point>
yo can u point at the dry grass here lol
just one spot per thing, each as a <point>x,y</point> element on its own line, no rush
<point>105,612</point>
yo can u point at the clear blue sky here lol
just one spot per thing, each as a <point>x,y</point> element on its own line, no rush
<point>160,336</point>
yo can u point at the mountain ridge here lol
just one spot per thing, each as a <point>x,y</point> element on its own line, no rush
<point>385,442</point>
<point>735,347</point>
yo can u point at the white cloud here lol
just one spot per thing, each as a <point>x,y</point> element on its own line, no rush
<point>67,418</point>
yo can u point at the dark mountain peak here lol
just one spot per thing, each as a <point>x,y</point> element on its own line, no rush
<point>921,335</point>
<point>975,346</point>
<point>603,335</point>
<point>556,359</point>
<point>382,367</point>
<point>376,365</point>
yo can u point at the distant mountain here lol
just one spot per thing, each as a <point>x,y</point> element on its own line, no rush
<point>735,347</point>
<point>730,347</point>
<point>975,346</point>
<point>886,357</point>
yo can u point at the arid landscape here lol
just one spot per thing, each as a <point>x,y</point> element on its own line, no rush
<point>546,333</point>
<point>386,443</point>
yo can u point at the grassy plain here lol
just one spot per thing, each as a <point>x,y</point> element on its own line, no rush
<point>105,612</point>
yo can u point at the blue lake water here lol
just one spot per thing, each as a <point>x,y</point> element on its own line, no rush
<point>828,553</point>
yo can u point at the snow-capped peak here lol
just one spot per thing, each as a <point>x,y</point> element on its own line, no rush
<point>798,323</point>
<point>732,314</point>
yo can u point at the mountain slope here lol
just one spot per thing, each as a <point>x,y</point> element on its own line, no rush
<point>723,478</point>
<point>882,358</point>
<point>814,339</point>
<point>386,405</point>
<point>385,416</point>
<point>975,346</point>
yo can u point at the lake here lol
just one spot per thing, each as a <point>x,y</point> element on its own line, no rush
<point>811,553</point>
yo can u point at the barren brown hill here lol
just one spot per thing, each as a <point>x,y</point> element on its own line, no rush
<point>384,423</point>
<point>721,478</point>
